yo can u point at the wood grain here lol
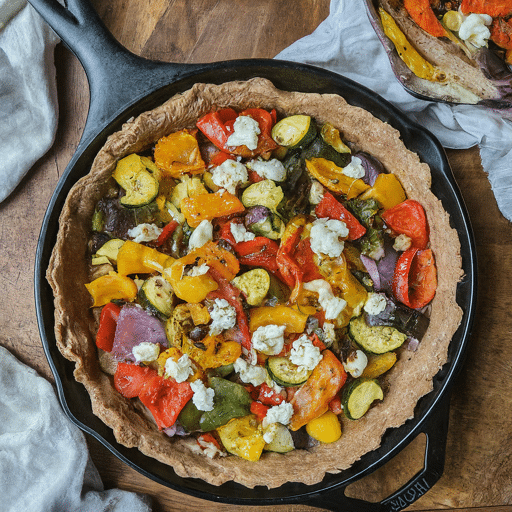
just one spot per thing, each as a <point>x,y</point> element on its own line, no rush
<point>478,462</point>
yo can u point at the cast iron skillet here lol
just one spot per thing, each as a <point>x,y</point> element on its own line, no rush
<point>114,99</point>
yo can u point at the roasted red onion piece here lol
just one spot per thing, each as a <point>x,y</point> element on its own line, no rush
<point>372,167</point>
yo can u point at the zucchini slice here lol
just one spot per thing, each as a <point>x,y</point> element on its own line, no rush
<point>139,182</point>
<point>284,373</point>
<point>377,339</point>
<point>359,396</point>
<point>331,136</point>
<point>294,131</point>
<point>156,295</point>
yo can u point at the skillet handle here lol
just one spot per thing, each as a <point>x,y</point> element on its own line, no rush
<point>117,77</point>
<point>435,428</point>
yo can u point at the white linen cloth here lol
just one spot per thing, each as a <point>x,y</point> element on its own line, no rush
<point>346,43</point>
<point>44,462</point>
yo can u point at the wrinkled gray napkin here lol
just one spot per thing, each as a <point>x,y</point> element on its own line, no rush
<point>346,43</point>
<point>28,92</point>
<point>44,461</point>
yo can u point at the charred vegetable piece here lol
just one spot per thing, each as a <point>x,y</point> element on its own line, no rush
<point>243,437</point>
<point>359,396</point>
<point>322,148</point>
<point>371,165</point>
<point>372,245</point>
<point>231,401</point>
<point>284,373</point>
<point>263,193</point>
<point>110,249</point>
<point>261,221</point>
<point>282,441</point>
<point>254,284</point>
<point>139,182</point>
<point>364,210</point>
<point>156,296</point>
<point>294,131</point>
<point>375,339</point>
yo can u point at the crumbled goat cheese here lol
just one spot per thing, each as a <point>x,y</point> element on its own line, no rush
<point>229,174</point>
<point>331,304</point>
<point>281,413</point>
<point>304,353</point>
<point>199,270</point>
<point>325,237</point>
<point>223,316</point>
<point>246,131</point>
<point>201,235</point>
<point>354,169</point>
<point>356,363</point>
<point>146,351</point>
<point>250,374</point>
<point>316,192</point>
<point>269,169</point>
<point>209,448</point>
<point>402,243</point>
<point>179,370</point>
<point>203,396</point>
<point>375,303</point>
<point>474,29</point>
<point>269,339</point>
<point>270,432</point>
<point>240,234</point>
<point>329,333</point>
<point>144,233</point>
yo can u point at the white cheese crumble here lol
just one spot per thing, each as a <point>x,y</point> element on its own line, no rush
<point>203,396</point>
<point>402,242</point>
<point>329,333</point>
<point>269,169</point>
<point>199,270</point>
<point>146,352</point>
<point>246,131</point>
<point>209,448</point>
<point>375,303</point>
<point>304,353</point>
<point>331,304</point>
<point>474,29</point>
<point>325,237</point>
<point>316,192</point>
<point>270,432</point>
<point>179,370</point>
<point>240,234</point>
<point>250,374</point>
<point>269,339</point>
<point>201,235</point>
<point>281,413</point>
<point>354,169</point>
<point>229,174</point>
<point>144,233</point>
<point>223,316</point>
<point>356,363</point>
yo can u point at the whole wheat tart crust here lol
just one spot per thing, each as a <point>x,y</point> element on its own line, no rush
<point>76,324</point>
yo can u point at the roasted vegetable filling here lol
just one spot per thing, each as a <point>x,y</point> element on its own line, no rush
<point>257,278</point>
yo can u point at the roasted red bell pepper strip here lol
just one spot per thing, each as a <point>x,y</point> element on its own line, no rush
<point>165,398</point>
<point>207,438</point>
<point>415,278</point>
<point>107,327</point>
<point>232,294</point>
<point>166,233</point>
<point>409,219</point>
<point>304,255</point>
<point>329,207</point>
<point>130,378</point>
<point>259,410</point>
<point>213,126</point>
<point>268,396</point>
<point>421,12</point>
<point>259,252</point>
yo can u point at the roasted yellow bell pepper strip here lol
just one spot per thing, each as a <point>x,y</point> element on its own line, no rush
<point>135,258</point>
<point>294,320</point>
<point>332,177</point>
<point>212,351</point>
<point>379,364</point>
<point>387,190</point>
<point>406,51</point>
<point>325,428</point>
<point>209,206</point>
<point>243,437</point>
<point>111,286</point>
<point>175,353</point>
<point>178,153</point>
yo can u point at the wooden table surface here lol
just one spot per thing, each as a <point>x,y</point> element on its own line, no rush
<point>478,472</point>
